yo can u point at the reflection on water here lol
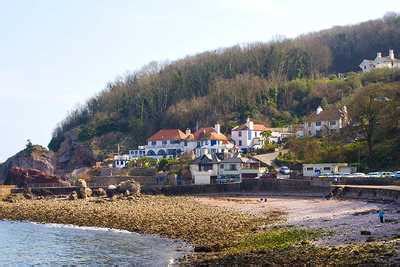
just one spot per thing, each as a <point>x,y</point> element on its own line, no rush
<point>23,243</point>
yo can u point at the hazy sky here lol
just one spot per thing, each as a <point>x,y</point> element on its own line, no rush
<point>56,54</point>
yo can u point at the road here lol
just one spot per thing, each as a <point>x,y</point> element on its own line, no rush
<point>269,160</point>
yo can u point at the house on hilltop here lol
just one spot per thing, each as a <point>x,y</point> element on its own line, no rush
<point>380,62</point>
<point>327,121</point>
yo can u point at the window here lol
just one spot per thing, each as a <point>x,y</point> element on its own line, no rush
<point>240,133</point>
<point>213,142</point>
<point>233,167</point>
<point>221,166</point>
<point>153,143</point>
<point>310,168</point>
<point>164,142</point>
<point>240,142</point>
<point>309,124</point>
<point>249,135</point>
<point>327,168</point>
<point>332,123</point>
<point>318,123</point>
<point>185,143</point>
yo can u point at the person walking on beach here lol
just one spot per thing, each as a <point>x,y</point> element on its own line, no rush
<point>381,214</point>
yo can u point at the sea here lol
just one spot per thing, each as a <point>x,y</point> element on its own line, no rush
<point>33,244</point>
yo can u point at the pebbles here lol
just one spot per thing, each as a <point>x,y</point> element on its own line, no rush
<point>175,217</point>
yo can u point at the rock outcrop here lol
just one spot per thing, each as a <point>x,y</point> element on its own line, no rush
<point>73,154</point>
<point>36,157</point>
<point>27,177</point>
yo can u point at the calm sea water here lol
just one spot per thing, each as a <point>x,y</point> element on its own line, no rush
<point>23,243</point>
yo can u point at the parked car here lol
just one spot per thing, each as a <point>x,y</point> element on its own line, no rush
<point>374,174</point>
<point>397,174</point>
<point>387,174</point>
<point>268,175</point>
<point>284,170</point>
<point>358,174</point>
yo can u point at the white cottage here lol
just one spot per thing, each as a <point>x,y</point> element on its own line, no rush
<point>380,62</point>
<point>249,135</point>
<point>325,121</point>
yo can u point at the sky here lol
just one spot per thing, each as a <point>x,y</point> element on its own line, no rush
<point>54,55</point>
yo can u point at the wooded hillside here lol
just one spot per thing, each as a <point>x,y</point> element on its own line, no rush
<point>276,82</point>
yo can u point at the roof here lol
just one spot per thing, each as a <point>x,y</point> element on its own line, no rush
<point>206,159</point>
<point>168,134</point>
<point>256,127</point>
<point>325,115</point>
<point>209,133</point>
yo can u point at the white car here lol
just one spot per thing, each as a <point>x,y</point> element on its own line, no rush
<point>374,174</point>
<point>397,175</point>
<point>284,170</point>
<point>358,174</point>
<point>387,174</point>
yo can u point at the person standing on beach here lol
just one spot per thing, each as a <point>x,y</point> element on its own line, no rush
<point>381,214</point>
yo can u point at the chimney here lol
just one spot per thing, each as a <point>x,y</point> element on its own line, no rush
<point>187,132</point>
<point>391,54</point>
<point>217,127</point>
<point>379,55</point>
<point>249,124</point>
<point>319,110</point>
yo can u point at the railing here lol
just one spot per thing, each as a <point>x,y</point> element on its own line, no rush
<point>47,185</point>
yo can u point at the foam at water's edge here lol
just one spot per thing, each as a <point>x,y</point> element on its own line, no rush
<point>103,229</point>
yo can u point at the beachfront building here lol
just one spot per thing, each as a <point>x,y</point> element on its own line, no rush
<point>228,168</point>
<point>205,169</point>
<point>248,136</point>
<point>210,140</point>
<point>380,62</point>
<point>323,122</point>
<point>121,161</point>
<point>318,169</point>
<point>170,143</point>
<point>167,143</point>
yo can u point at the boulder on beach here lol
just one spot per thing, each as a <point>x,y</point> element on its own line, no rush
<point>130,186</point>
<point>99,192</point>
<point>73,196</point>
<point>81,183</point>
<point>111,191</point>
<point>84,192</point>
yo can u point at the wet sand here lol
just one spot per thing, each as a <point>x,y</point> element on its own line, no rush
<point>344,218</point>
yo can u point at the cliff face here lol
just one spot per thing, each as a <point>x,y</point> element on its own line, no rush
<point>73,154</point>
<point>37,157</point>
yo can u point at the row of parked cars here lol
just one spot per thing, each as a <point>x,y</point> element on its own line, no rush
<point>395,174</point>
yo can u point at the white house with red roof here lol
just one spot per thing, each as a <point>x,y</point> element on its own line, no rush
<point>210,140</point>
<point>169,143</point>
<point>249,135</point>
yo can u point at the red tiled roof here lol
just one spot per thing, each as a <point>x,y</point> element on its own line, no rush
<point>168,134</point>
<point>256,127</point>
<point>209,133</point>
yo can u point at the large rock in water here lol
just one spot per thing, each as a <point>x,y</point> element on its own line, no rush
<point>37,157</point>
